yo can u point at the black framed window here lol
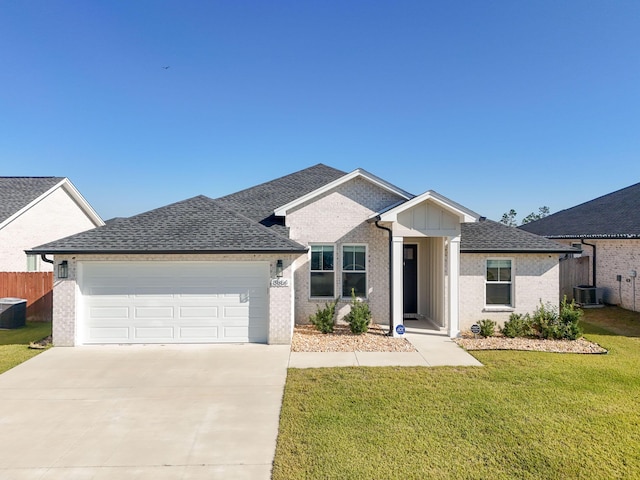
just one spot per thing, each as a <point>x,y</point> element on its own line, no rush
<point>354,270</point>
<point>322,280</point>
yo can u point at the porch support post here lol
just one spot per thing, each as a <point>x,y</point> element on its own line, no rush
<point>454,286</point>
<point>398,268</point>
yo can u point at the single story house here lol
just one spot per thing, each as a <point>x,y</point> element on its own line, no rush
<point>247,266</point>
<point>607,229</point>
<point>35,210</point>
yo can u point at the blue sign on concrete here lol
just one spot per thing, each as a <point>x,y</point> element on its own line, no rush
<point>400,329</point>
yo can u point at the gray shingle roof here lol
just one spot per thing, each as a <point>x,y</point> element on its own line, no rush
<point>615,215</point>
<point>259,202</point>
<point>199,224</point>
<point>488,236</point>
<point>17,192</point>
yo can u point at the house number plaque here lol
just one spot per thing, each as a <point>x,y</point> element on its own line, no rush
<point>279,282</point>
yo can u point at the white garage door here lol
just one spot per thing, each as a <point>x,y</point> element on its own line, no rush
<point>173,302</point>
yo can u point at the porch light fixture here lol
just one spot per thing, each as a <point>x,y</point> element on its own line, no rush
<point>63,269</point>
<point>279,269</point>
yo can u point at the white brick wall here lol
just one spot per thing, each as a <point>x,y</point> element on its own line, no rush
<point>615,257</point>
<point>65,292</point>
<point>340,217</point>
<point>535,279</point>
<point>56,216</point>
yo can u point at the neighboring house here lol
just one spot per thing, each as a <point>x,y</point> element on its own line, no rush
<point>608,231</point>
<point>35,210</point>
<point>247,266</point>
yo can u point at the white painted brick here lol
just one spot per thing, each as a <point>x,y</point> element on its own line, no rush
<point>535,280</point>
<point>56,216</point>
<point>340,217</point>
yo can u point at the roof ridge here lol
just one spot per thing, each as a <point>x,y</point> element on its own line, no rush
<point>281,178</point>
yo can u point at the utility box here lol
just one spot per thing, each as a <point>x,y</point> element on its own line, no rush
<point>13,312</point>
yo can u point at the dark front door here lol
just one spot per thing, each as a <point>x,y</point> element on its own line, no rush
<point>410,280</point>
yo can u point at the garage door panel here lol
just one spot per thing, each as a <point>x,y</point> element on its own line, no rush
<point>109,312</point>
<point>154,333</point>
<point>199,332</point>
<point>204,312</point>
<point>121,333</point>
<point>172,302</point>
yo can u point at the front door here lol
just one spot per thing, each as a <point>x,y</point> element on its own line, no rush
<point>410,281</point>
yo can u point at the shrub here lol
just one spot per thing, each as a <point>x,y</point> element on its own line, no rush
<point>553,325</point>
<point>487,328</point>
<point>518,325</point>
<point>569,318</point>
<point>359,317</point>
<point>545,321</point>
<point>323,319</point>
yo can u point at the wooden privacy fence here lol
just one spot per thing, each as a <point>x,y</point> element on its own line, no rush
<point>573,272</point>
<point>35,287</point>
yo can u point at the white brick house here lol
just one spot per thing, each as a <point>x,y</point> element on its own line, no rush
<point>248,266</point>
<point>35,210</point>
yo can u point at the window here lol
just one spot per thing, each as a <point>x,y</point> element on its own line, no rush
<point>499,282</point>
<point>32,263</point>
<point>322,277</point>
<point>354,270</point>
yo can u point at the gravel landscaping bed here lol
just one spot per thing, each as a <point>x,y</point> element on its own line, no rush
<point>307,339</point>
<point>469,342</point>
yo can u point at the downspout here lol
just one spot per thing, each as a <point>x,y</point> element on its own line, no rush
<point>44,258</point>
<point>390,275</point>
<point>593,267</point>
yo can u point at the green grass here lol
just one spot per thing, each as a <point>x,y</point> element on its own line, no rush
<point>523,415</point>
<point>14,344</point>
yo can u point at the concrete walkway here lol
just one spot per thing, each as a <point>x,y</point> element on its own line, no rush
<point>434,349</point>
<point>143,412</point>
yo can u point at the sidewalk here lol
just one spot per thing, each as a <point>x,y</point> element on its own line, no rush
<point>434,349</point>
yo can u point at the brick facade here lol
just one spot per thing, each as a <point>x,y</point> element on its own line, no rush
<point>535,280</point>
<point>615,257</point>
<point>56,216</point>
<point>339,217</point>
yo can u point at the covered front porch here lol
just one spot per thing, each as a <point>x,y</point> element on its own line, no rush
<point>425,262</point>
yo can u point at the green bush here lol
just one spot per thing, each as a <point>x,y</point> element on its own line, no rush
<point>545,320</point>
<point>518,325</point>
<point>359,317</point>
<point>487,328</point>
<point>569,318</point>
<point>323,319</point>
<point>553,325</point>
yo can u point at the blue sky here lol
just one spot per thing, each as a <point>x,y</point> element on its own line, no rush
<point>494,104</point>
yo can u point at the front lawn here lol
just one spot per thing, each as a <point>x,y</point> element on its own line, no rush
<point>14,344</point>
<point>522,415</point>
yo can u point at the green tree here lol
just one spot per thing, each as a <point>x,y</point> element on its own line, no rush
<point>509,218</point>
<point>532,217</point>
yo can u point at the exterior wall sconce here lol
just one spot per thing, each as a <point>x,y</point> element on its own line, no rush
<point>63,269</point>
<point>279,269</point>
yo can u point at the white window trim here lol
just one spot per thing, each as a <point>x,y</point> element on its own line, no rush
<point>496,307</point>
<point>333,245</point>
<point>365,271</point>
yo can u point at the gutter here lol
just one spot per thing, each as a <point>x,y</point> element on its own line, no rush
<point>162,252</point>
<point>391,326</point>
<point>593,267</point>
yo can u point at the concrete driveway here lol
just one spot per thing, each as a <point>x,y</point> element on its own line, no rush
<point>143,412</point>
